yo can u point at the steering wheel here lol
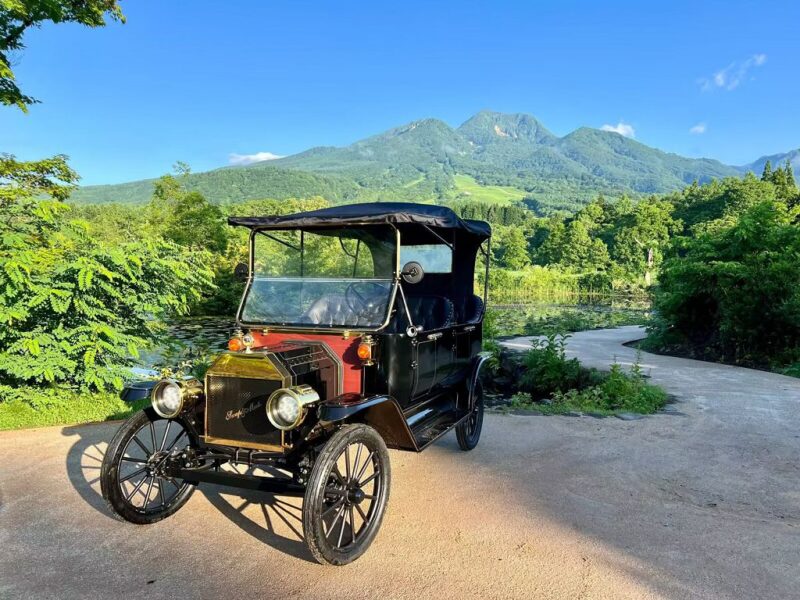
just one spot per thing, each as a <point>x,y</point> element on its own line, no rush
<point>355,300</point>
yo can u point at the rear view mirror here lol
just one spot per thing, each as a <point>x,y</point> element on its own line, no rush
<point>241,272</point>
<point>412,272</point>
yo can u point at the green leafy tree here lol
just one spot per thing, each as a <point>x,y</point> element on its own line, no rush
<point>511,249</point>
<point>733,292</point>
<point>74,310</point>
<point>17,16</point>
<point>640,236</point>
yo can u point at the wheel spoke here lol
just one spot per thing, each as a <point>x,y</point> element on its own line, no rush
<point>361,512</point>
<point>132,475</point>
<point>147,496</point>
<point>364,468</point>
<point>341,530</point>
<point>135,489</point>
<point>133,460</point>
<point>336,520</point>
<point>153,435</point>
<point>358,458</point>
<point>175,441</point>
<point>347,462</point>
<point>368,479</point>
<point>352,526</point>
<point>333,506</point>
<point>141,445</point>
<point>335,491</point>
<point>161,492</point>
<point>337,474</point>
<point>166,433</point>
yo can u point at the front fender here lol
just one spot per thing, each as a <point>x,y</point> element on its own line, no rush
<point>382,413</point>
<point>137,390</point>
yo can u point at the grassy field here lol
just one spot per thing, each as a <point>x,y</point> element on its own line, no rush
<point>467,187</point>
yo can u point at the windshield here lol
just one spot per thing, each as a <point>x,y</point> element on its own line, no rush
<point>321,277</point>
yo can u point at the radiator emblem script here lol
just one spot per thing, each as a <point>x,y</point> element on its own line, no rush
<point>242,412</point>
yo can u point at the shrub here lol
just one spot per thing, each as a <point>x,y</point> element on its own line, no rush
<point>74,311</point>
<point>733,292</point>
<point>547,369</point>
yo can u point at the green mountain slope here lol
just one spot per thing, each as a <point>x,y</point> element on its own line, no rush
<point>512,155</point>
<point>776,160</point>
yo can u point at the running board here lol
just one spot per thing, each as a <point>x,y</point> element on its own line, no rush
<point>434,424</point>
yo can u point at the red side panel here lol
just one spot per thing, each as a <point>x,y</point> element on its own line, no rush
<point>346,350</point>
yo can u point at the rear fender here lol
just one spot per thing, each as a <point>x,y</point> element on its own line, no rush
<point>382,413</point>
<point>477,364</point>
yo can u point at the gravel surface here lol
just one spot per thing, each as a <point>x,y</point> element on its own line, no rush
<point>702,501</point>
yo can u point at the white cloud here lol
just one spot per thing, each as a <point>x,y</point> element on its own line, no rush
<point>732,76</point>
<point>698,129</point>
<point>249,159</point>
<point>621,128</point>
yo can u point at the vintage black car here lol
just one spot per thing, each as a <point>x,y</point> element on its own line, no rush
<point>359,330</point>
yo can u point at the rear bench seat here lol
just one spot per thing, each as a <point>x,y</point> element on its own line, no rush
<point>431,312</point>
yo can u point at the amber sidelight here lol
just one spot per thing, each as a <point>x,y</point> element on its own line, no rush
<point>235,344</point>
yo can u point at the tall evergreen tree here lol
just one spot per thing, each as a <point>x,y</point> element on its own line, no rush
<point>790,174</point>
<point>766,174</point>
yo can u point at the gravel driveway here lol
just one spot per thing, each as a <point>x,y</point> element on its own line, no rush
<point>702,501</point>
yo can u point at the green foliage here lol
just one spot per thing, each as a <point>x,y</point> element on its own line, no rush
<point>547,369</point>
<point>619,392</point>
<point>76,311</point>
<point>22,407</point>
<point>732,292</point>
<point>584,318</point>
<point>550,383</point>
<point>17,16</point>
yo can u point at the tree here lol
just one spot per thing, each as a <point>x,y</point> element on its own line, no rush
<point>733,292</point>
<point>17,16</point>
<point>766,174</point>
<point>640,236</point>
<point>74,310</point>
<point>512,249</point>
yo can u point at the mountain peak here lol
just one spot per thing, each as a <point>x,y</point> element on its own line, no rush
<point>489,127</point>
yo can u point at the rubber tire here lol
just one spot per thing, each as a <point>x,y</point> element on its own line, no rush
<point>466,441</point>
<point>119,508</point>
<point>312,527</point>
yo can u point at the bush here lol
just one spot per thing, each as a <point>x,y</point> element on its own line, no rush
<point>75,312</point>
<point>733,292</point>
<point>545,380</point>
<point>547,369</point>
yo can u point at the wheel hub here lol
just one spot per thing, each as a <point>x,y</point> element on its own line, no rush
<point>355,496</point>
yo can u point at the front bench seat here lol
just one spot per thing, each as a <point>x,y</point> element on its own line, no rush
<point>334,310</point>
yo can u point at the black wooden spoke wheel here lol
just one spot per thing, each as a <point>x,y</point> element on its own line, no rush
<point>468,432</point>
<point>346,495</point>
<point>132,478</point>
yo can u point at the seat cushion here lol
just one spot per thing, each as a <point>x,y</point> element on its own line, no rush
<point>431,312</point>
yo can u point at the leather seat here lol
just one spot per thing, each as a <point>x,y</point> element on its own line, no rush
<point>431,312</point>
<point>471,310</point>
<point>333,310</point>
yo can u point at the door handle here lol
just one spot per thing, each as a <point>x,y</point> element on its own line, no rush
<point>469,328</point>
<point>434,336</point>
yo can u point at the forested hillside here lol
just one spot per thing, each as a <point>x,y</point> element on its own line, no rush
<point>492,157</point>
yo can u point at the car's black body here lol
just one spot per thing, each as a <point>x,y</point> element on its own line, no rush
<point>416,379</point>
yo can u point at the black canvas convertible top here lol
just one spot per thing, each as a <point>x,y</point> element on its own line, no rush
<point>373,213</point>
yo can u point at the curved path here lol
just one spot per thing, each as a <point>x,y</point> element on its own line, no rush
<point>702,501</point>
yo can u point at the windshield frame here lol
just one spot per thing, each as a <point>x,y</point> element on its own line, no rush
<point>317,328</point>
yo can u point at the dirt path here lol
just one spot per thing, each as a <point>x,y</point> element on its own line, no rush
<point>701,502</point>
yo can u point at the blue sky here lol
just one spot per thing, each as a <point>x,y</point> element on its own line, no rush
<point>199,81</point>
